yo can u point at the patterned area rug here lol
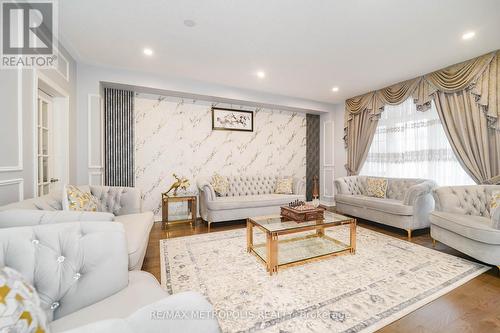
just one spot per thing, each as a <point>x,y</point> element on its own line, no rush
<point>386,279</point>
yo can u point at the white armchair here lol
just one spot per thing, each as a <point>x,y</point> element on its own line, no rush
<point>80,271</point>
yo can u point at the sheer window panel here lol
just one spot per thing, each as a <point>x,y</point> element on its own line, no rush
<point>413,144</point>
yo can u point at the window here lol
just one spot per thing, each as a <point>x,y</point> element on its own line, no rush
<point>413,144</point>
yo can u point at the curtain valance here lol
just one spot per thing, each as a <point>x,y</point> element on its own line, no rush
<point>480,75</point>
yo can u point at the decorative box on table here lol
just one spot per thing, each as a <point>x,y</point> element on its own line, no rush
<point>302,213</point>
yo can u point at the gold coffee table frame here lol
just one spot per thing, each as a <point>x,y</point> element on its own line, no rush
<point>275,226</point>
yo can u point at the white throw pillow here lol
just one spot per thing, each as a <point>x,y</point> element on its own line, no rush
<point>284,186</point>
<point>77,199</point>
<point>20,309</point>
<point>495,210</point>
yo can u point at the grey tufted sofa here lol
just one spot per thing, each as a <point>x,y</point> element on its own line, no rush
<point>248,196</point>
<point>462,221</point>
<point>80,271</point>
<point>124,203</point>
<point>407,204</point>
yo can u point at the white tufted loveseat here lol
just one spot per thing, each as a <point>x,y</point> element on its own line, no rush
<point>462,221</point>
<point>123,202</point>
<point>80,271</point>
<point>248,195</point>
<point>407,204</point>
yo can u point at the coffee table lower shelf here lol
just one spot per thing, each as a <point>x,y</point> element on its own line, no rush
<point>300,247</point>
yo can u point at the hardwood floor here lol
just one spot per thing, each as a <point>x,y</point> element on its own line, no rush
<point>472,307</point>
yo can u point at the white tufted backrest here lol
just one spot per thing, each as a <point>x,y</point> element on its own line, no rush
<point>118,200</point>
<point>71,265</point>
<point>466,200</point>
<point>356,185</point>
<point>113,199</point>
<point>251,185</point>
<point>397,187</point>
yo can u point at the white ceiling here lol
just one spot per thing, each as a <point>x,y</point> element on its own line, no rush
<point>305,47</point>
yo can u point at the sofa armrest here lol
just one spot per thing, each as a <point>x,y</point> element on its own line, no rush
<point>118,200</point>
<point>418,190</point>
<point>299,186</point>
<point>186,312</point>
<point>206,189</point>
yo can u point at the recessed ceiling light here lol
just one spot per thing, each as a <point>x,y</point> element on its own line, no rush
<point>335,89</point>
<point>148,52</point>
<point>261,74</point>
<point>468,35</point>
<point>189,23</point>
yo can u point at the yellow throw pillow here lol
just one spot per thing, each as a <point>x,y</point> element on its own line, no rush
<point>77,200</point>
<point>284,186</point>
<point>220,185</point>
<point>495,210</point>
<point>20,309</point>
<point>376,187</point>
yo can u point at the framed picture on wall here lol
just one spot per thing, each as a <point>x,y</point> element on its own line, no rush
<point>232,120</point>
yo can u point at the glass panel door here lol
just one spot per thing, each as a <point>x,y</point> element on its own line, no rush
<point>44,143</point>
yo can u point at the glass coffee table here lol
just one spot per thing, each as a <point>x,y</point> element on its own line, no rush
<point>288,242</point>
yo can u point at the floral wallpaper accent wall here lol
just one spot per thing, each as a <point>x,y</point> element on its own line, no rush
<point>174,135</point>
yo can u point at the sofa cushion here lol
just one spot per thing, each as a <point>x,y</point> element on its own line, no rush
<point>251,201</point>
<point>142,290</point>
<point>80,200</point>
<point>137,228</point>
<point>46,202</point>
<point>381,204</point>
<point>473,227</point>
<point>28,217</point>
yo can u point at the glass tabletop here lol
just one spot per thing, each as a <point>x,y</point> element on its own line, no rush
<point>273,223</point>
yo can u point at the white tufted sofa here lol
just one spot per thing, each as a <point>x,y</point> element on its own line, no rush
<point>124,203</point>
<point>407,204</point>
<point>248,196</point>
<point>462,220</point>
<point>80,271</point>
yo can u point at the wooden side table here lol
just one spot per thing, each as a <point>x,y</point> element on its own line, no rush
<point>192,208</point>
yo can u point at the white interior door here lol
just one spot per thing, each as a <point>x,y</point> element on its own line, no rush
<point>45,126</point>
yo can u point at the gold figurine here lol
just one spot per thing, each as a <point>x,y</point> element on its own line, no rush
<point>180,183</point>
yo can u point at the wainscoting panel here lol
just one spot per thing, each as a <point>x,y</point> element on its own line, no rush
<point>11,190</point>
<point>328,176</point>
<point>11,135</point>
<point>119,137</point>
<point>95,178</point>
<point>95,131</point>
<point>173,135</point>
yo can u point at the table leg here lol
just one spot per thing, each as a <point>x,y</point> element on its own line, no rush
<point>249,236</point>
<point>273,254</point>
<point>353,236</point>
<point>320,232</point>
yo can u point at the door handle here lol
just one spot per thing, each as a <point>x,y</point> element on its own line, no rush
<point>54,180</point>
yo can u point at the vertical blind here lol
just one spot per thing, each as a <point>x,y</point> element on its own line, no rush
<point>413,144</point>
<point>118,137</point>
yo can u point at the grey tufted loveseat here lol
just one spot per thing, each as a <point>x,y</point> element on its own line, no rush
<point>123,202</point>
<point>407,204</point>
<point>249,195</point>
<point>80,271</point>
<point>462,221</point>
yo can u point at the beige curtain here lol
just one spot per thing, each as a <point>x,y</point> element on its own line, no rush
<point>467,97</point>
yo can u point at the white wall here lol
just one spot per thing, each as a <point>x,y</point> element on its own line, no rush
<point>18,93</point>
<point>89,90</point>
<point>338,139</point>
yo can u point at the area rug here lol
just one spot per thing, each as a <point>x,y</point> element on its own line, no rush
<point>386,279</point>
